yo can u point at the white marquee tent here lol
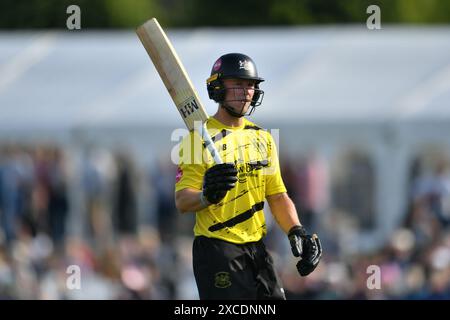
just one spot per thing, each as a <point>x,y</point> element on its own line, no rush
<point>387,91</point>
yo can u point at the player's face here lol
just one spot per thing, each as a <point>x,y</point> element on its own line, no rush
<point>239,94</point>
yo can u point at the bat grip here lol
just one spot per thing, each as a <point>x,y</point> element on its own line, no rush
<point>210,144</point>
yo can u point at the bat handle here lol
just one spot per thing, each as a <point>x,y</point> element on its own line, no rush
<point>210,144</point>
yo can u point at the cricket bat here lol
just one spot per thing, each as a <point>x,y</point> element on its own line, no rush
<point>176,80</point>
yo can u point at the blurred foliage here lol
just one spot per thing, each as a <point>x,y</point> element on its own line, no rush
<point>28,14</point>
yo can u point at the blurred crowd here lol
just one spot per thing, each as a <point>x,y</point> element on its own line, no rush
<point>57,212</point>
<point>116,221</point>
<point>412,263</point>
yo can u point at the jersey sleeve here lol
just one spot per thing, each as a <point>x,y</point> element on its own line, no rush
<point>191,168</point>
<point>274,181</point>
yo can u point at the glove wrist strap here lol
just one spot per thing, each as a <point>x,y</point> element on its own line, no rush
<point>204,202</point>
<point>299,229</point>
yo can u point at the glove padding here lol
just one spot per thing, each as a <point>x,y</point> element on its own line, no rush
<point>218,180</point>
<point>307,247</point>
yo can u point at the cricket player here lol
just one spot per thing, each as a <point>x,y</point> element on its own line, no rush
<point>230,260</point>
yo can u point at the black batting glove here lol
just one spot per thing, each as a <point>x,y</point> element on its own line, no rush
<point>307,247</point>
<point>218,180</point>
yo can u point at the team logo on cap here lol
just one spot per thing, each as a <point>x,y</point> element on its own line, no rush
<point>245,64</point>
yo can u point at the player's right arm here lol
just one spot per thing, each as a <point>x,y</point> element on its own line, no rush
<point>189,178</point>
<point>189,200</point>
<point>217,181</point>
<point>198,186</point>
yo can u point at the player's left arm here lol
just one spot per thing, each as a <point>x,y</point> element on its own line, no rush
<point>283,210</point>
<point>303,245</point>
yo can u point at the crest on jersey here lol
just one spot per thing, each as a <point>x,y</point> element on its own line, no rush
<point>222,280</point>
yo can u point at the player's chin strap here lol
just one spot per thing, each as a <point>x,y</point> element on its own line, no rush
<point>233,113</point>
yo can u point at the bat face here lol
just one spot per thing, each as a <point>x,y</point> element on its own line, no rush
<point>172,72</point>
<point>188,108</point>
<point>176,80</point>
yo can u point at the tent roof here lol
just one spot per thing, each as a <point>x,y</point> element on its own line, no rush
<point>67,79</point>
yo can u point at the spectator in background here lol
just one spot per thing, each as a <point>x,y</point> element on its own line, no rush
<point>429,206</point>
<point>15,178</point>
<point>99,185</point>
<point>125,200</point>
<point>58,205</point>
<point>440,193</point>
<point>162,181</point>
<point>92,187</point>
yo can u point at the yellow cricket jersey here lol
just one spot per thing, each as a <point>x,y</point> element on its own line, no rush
<point>239,217</point>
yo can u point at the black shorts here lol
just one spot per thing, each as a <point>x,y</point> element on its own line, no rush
<point>224,270</point>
